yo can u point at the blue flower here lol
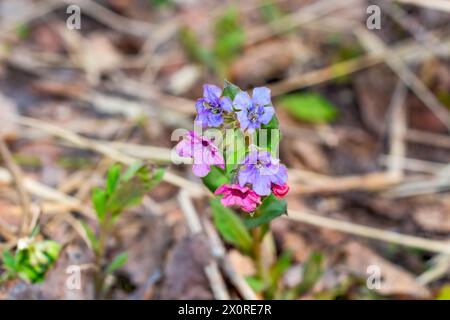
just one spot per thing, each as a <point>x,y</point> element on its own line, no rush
<point>261,171</point>
<point>254,111</point>
<point>210,108</point>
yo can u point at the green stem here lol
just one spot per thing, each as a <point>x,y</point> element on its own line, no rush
<point>261,269</point>
<point>99,276</point>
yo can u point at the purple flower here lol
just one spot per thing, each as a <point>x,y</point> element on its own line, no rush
<point>211,106</point>
<point>261,171</point>
<point>254,111</point>
<point>202,150</point>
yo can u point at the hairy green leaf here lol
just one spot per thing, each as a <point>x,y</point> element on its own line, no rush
<point>270,208</point>
<point>231,227</point>
<point>118,262</point>
<point>310,107</point>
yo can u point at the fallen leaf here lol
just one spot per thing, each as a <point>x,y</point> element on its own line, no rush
<point>394,279</point>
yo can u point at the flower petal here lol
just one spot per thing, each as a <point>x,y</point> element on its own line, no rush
<point>242,101</point>
<point>267,115</point>
<point>211,93</point>
<point>184,148</point>
<point>261,185</point>
<point>201,170</point>
<point>222,189</point>
<point>226,104</point>
<point>228,201</point>
<point>261,96</point>
<point>214,120</point>
<point>246,176</point>
<point>199,106</point>
<point>243,119</point>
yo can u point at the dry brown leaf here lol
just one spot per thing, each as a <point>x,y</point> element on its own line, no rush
<point>434,217</point>
<point>394,279</point>
<point>241,263</point>
<point>263,62</point>
<point>311,154</point>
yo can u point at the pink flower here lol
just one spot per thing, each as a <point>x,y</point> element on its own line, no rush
<point>235,195</point>
<point>280,191</point>
<point>202,150</point>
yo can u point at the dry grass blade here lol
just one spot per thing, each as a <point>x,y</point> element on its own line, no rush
<point>372,233</point>
<point>16,174</point>
<point>374,44</point>
<point>442,5</point>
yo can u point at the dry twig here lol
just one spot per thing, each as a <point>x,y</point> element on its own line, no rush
<point>17,176</point>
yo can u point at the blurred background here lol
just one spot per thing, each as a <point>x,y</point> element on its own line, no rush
<point>362,92</point>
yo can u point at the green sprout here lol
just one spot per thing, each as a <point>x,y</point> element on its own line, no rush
<point>123,190</point>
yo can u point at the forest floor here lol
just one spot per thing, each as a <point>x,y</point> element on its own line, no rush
<point>365,118</point>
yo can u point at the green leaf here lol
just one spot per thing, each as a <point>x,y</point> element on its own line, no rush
<point>270,208</point>
<point>118,262</point>
<point>23,31</point>
<point>33,262</point>
<point>256,283</point>
<point>215,178</point>
<point>444,293</point>
<point>113,178</point>
<point>229,36</point>
<point>35,231</point>
<point>132,171</point>
<point>157,177</point>
<point>90,235</point>
<point>312,272</point>
<point>8,261</point>
<point>194,48</point>
<point>280,267</point>
<point>136,181</point>
<point>270,11</point>
<point>230,90</point>
<point>310,107</point>
<point>50,248</point>
<point>99,198</point>
<point>231,227</point>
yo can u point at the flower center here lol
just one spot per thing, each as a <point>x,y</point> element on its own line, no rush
<point>259,164</point>
<point>253,116</point>
<point>212,109</point>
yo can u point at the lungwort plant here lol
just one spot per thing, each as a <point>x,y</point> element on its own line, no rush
<point>234,149</point>
<point>123,190</point>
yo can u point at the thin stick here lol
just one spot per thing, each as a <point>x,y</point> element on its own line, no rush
<point>428,138</point>
<point>408,52</point>
<point>17,177</point>
<point>112,19</point>
<point>443,5</point>
<point>374,44</point>
<point>194,189</point>
<point>371,233</point>
<point>211,269</point>
<point>397,131</point>
<point>304,15</point>
<point>439,268</point>
<point>369,182</point>
<point>42,191</point>
<point>415,165</point>
<point>218,250</point>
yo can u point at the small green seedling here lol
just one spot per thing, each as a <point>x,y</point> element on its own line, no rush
<point>122,191</point>
<point>31,260</point>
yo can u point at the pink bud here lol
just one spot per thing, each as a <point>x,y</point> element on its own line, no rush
<point>280,191</point>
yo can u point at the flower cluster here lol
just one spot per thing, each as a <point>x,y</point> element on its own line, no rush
<point>259,174</point>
